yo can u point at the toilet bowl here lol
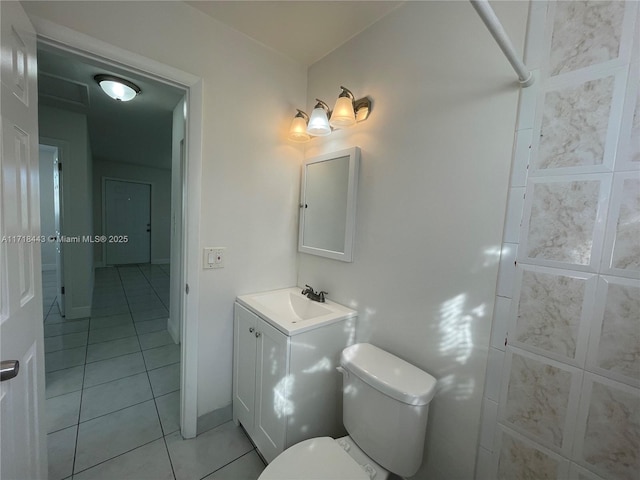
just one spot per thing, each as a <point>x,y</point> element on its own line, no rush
<point>385,406</point>
<point>324,458</point>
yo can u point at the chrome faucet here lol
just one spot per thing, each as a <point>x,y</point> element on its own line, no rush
<point>312,295</point>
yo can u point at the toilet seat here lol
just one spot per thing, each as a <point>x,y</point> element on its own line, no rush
<point>314,459</point>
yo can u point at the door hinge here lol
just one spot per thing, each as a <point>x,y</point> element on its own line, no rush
<point>186,290</point>
<point>59,166</point>
<point>62,290</point>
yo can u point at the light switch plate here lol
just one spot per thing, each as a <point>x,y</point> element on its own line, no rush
<point>213,257</point>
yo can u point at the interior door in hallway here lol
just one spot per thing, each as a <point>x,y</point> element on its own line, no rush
<point>23,451</point>
<point>127,222</point>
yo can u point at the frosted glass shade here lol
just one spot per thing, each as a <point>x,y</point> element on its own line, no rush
<point>343,114</point>
<point>298,130</point>
<point>319,123</point>
<point>117,88</point>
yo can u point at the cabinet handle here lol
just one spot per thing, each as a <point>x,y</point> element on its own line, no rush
<point>258,334</point>
<point>251,329</point>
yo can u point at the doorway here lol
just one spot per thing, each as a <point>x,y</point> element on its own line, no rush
<point>142,287</point>
<point>127,222</point>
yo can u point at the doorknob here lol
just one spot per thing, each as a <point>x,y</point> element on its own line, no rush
<point>9,369</point>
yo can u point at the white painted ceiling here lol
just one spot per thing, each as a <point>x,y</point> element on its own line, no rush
<point>304,31</point>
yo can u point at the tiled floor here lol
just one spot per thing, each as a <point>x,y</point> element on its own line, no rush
<point>113,393</point>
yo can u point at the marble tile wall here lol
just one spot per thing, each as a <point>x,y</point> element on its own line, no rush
<point>562,395</point>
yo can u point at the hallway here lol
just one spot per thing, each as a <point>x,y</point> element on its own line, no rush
<point>113,389</point>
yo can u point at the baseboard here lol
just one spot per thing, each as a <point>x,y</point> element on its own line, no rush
<point>213,419</point>
<point>160,261</point>
<point>47,267</point>
<point>173,331</point>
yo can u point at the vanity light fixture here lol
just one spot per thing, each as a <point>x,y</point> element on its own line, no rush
<point>319,122</point>
<point>117,88</point>
<point>347,112</point>
<point>298,129</point>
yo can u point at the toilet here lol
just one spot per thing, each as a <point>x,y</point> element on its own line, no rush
<point>385,406</point>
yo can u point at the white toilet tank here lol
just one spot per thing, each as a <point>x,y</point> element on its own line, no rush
<point>385,406</point>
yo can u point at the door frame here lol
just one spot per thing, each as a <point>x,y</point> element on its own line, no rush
<point>63,150</point>
<point>65,39</point>
<point>103,182</point>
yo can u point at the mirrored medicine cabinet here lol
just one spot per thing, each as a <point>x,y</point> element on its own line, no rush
<point>328,204</point>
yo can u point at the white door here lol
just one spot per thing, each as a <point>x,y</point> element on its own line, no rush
<point>23,438</point>
<point>127,222</point>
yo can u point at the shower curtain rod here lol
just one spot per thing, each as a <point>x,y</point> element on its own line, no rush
<point>525,77</point>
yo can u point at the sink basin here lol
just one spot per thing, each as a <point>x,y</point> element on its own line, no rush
<point>291,312</point>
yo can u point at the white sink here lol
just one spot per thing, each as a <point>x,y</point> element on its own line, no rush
<point>291,312</point>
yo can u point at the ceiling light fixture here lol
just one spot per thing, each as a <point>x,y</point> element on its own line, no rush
<point>347,112</point>
<point>117,88</point>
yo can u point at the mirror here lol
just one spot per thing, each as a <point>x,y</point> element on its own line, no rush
<point>328,204</point>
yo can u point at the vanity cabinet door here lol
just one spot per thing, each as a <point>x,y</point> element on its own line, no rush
<point>273,389</point>
<point>244,371</point>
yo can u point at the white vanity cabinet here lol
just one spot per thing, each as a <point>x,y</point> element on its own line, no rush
<point>285,385</point>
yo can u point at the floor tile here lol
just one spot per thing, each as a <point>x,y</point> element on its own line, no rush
<point>149,462</point>
<point>62,411</point>
<point>111,333</point>
<point>247,467</point>
<point>113,310</point>
<point>151,326</point>
<point>64,381</point>
<point>116,395</point>
<point>161,356</point>
<point>110,321</point>
<point>114,348</point>
<point>113,369</point>
<point>208,452</point>
<point>62,342</point>
<point>61,447</point>
<point>69,326</point>
<point>105,437</point>
<point>155,305</point>
<point>64,359</point>
<point>169,411</point>
<point>144,315</point>
<point>155,339</point>
<point>165,380</point>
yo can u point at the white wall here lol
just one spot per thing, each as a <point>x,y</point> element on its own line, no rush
<point>77,187</point>
<point>431,200</point>
<point>160,180</point>
<point>250,175</point>
<point>47,213</point>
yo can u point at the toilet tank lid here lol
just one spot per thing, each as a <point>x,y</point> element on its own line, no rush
<point>389,374</point>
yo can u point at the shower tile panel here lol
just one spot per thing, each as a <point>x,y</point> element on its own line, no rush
<point>574,125</point>
<point>622,244</point>
<point>522,459</point>
<point>585,33</point>
<point>608,428</point>
<point>551,314</point>
<point>615,339</point>
<point>562,224</point>
<point>538,398</point>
